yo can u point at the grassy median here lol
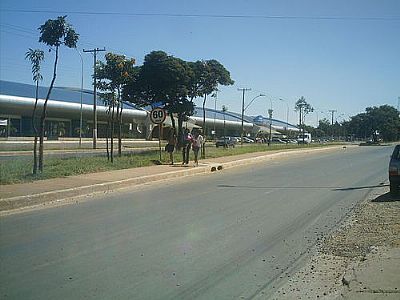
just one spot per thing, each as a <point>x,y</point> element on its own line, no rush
<point>20,170</point>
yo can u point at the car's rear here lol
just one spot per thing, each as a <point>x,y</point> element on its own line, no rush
<point>394,170</point>
<point>225,142</point>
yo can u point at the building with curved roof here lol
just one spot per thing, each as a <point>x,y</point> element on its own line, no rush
<point>67,105</point>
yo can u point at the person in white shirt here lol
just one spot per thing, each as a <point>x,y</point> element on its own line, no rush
<point>197,142</point>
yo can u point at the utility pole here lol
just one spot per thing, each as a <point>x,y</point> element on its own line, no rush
<point>301,105</point>
<point>270,126</point>
<point>224,109</point>
<point>94,51</point>
<point>215,96</point>
<point>332,111</point>
<point>398,104</point>
<point>243,91</point>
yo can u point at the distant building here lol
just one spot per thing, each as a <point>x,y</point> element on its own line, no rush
<point>64,113</point>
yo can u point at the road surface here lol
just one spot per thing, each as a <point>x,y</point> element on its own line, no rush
<point>236,234</point>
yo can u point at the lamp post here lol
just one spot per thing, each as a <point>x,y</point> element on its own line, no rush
<point>215,96</point>
<point>243,110</point>
<point>241,133</point>
<point>261,95</point>
<point>270,124</point>
<point>287,120</point>
<point>80,119</point>
<point>224,109</point>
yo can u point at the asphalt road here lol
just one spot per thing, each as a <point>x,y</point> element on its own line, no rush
<point>236,234</point>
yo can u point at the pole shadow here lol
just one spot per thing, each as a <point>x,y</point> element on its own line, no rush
<point>360,187</point>
<point>340,189</point>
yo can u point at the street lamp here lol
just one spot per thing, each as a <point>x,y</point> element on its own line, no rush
<point>80,120</point>
<point>270,124</point>
<point>215,96</point>
<point>243,110</point>
<point>241,134</point>
<point>287,119</point>
<point>224,109</point>
<point>261,95</point>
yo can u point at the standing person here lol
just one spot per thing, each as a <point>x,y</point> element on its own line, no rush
<point>197,143</point>
<point>170,147</point>
<point>186,143</point>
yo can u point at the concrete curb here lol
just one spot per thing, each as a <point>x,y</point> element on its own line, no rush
<point>8,204</point>
<point>14,203</point>
<point>272,156</point>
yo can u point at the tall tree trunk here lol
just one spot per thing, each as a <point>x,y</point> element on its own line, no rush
<point>116,121</point>
<point>35,131</point>
<point>43,116</point>
<point>180,130</point>
<point>120,131</point>
<point>112,133</point>
<point>173,122</point>
<point>119,121</point>
<point>107,135</point>
<point>203,146</point>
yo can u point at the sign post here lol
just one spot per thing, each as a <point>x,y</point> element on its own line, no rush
<point>157,116</point>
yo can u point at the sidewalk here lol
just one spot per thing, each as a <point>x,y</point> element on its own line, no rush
<point>39,192</point>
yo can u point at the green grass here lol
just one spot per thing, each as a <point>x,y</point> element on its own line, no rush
<point>16,171</point>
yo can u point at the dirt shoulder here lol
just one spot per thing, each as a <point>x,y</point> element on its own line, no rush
<point>361,260</point>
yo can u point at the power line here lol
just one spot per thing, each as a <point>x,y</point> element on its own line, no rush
<point>33,34</point>
<point>218,16</point>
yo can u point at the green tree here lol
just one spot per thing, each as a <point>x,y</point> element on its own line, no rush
<point>54,33</point>
<point>359,126</point>
<point>112,76</point>
<point>377,122</point>
<point>174,84</point>
<point>35,57</point>
<point>163,80</point>
<point>304,108</point>
<point>206,76</point>
<point>325,126</point>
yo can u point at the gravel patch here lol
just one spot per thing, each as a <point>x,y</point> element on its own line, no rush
<point>372,230</point>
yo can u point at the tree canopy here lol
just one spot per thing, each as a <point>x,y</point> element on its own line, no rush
<point>114,74</point>
<point>303,106</point>
<point>172,83</point>
<point>58,31</point>
<point>376,122</point>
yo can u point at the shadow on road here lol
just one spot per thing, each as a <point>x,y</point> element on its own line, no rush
<point>387,198</point>
<point>342,189</point>
<point>273,187</point>
<point>360,187</point>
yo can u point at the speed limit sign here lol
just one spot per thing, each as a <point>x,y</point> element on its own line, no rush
<point>158,115</point>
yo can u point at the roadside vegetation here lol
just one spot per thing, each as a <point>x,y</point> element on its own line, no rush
<point>18,171</point>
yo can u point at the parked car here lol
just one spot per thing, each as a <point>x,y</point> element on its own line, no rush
<point>226,142</point>
<point>276,140</point>
<point>394,170</point>
<point>247,140</point>
<point>237,139</point>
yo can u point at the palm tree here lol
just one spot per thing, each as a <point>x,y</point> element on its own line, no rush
<point>35,57</point>
<point>54,33</point>
<point>304,108</point>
